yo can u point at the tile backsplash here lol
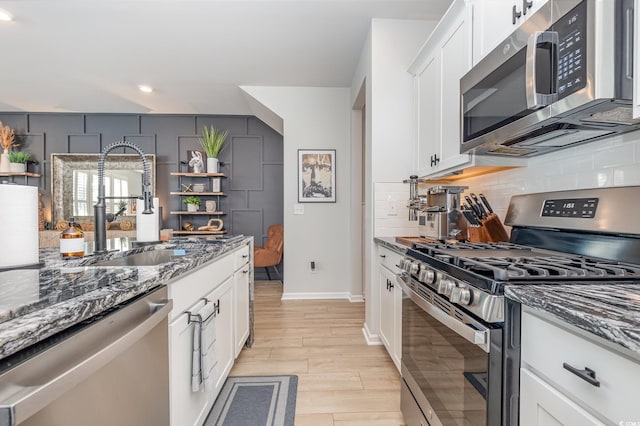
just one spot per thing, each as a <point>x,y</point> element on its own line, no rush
<point>605,163</point>
<point>609,162</point>
<point>391,212</point>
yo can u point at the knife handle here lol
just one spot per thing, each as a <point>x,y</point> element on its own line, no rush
<point>473,206</point>
<point>483,212</point>
<point>486,203</point>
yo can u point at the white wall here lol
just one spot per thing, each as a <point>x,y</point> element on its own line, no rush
<point>387,52</point>
<point>314,118</point>
<point>610,162</point>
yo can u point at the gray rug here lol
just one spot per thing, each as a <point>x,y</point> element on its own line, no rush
<point>255,401</point>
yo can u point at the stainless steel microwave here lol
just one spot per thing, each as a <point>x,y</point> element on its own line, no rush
<point>564,77</point>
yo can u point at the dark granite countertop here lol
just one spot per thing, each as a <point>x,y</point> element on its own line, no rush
<point>37,303</point>
<point>609,311</point>
<point>392,244</point>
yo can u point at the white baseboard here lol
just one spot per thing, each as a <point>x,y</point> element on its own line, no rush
<point>315,296</point>
<point>371,339</point>
<point>356,298</point>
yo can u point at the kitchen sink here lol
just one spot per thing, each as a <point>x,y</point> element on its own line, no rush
<point>146,258</point>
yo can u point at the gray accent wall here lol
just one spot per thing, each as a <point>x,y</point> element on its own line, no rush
<point>252,157</point>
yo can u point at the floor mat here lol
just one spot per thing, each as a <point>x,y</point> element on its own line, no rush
<point>255,400</point>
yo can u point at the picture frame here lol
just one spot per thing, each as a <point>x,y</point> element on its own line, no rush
<point>196,161</point>
<point>316,175</point>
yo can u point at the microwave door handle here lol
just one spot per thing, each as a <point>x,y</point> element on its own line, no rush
<point>536,100</point>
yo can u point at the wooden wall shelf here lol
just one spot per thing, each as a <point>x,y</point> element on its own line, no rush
<point>184,212</point>
<point>199,232</point>
<point>222,194</point>
<point>222,175</point>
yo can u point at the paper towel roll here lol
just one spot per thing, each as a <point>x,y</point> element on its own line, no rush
<point>18,225</point>
<point>147,225</point>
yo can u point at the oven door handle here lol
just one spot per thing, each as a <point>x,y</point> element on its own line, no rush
<point>478,337</point>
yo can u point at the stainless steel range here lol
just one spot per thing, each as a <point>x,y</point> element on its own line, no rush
<point>460,337</point>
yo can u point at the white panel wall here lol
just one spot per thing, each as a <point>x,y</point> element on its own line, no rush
<point>314,118</point>
<point>610,162</point>
<point>387,52</point>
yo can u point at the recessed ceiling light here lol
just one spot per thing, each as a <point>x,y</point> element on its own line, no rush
<point>144,88</point>
<point>5,16</point>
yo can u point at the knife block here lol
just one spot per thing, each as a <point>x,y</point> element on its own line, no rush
<point>477,234</point>
<point>494,229</point>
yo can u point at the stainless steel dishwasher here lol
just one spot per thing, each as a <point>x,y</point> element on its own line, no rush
<point>113,370</point>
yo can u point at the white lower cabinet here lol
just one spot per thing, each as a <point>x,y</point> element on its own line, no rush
<point>225,314</point>
<point>390,306</point>
<point>543,405</point>
<point>573,379</point>
<point>218,282</point>
<point>241,297</point>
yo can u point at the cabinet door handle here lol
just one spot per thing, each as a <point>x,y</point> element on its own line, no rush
<point>246,271</point>
<point>383,256</point>
<point>526,5</point>
<point>515,15</point>
<point>244,256</point>
<point>588,375</point>
<point>390,285</point>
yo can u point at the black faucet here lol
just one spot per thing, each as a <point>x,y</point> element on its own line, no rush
<point>99,210</point>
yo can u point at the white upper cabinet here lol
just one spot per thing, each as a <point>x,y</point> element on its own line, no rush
<point>494,20</point>
<point>636,61</point>
<point>441,62</point>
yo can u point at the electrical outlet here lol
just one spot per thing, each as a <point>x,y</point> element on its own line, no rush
<point>312,266</point>
<point>391,207</point>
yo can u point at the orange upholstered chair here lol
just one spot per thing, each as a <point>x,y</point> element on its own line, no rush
<point>271,253</point>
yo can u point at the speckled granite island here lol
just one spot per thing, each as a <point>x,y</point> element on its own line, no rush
<point>609,311</point>
<point>38,303</point>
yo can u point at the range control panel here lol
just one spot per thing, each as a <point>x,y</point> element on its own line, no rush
<point>571,207</point>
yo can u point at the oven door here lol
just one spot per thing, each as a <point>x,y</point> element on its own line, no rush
<point>451,362</point>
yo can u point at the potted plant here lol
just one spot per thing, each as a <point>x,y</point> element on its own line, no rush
<point>212,141</point>
<point>18,161</point>
<point>7,136</point>
<point>193,203</point>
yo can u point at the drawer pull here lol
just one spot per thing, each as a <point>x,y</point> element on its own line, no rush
<point>588,375</point>
<point>383,256</point>
<point>244,256</point>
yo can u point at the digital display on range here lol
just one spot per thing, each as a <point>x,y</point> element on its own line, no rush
<point>571,207</point>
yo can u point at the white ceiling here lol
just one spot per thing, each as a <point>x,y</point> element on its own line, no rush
<point>90,55</point>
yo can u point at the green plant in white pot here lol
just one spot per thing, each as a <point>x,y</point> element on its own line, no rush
<point>193,203</point>
<point>18,161</point>
<point>212,141</point>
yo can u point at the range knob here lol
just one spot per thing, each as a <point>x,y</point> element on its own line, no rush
<point>445,286</point>
<point>415,268</point>
<point>406,265</point>
<point>461,295</point>
<point>427,275</point>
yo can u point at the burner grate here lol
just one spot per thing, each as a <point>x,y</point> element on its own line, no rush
<point>548,267</point>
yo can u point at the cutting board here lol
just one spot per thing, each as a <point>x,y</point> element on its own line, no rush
<point>408,241</point>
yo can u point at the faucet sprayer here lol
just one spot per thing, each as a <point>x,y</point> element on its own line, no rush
<point>99,209</point>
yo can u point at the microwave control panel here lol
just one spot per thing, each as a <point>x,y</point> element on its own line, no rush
<point>572,34</point>
<point>572,207</point>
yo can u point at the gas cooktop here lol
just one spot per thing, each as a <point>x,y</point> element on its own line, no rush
<point>508,261</point>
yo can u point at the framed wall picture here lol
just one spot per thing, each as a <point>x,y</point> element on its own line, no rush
<point>196,161</point>
<point>316,175</point>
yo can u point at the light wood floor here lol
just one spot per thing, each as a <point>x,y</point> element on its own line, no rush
<point>341,380</point>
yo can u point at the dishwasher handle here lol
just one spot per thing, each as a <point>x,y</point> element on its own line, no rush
<point>27,400</point>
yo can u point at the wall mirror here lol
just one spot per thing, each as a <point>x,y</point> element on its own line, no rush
<point>74,182</point>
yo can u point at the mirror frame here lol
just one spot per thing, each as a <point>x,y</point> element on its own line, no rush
<point>62,166</point>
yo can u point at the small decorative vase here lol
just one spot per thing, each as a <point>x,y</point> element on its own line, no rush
<point>192,208</point>
<point>17,167</point>
<point>4,162</point>
<point>210,206</point>
<point>212,165</point>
